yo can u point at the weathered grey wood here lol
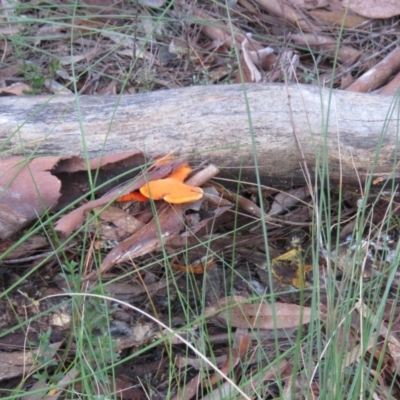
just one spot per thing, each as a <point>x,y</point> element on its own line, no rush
<point>212,122</point>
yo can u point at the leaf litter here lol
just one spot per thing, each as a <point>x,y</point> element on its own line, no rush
<point>210,250</point>
<point>277,41</point>
<point>215,246</point>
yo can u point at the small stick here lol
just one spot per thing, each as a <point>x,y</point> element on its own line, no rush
<point>203,176</point>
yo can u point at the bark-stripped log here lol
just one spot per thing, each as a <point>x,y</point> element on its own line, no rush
<point>216,123</point>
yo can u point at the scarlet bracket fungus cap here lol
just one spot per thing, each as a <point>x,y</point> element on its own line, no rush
<point>172,191</point>
<point>181,173</point>
<point>134,196</point>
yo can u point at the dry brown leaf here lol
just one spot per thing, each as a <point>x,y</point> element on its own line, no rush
<point>54,394</point>
<point>189,390</point>
<point>123,389</point>
<point>224,390</point>
<point>152,3</point>
<point>270,373</point>
<point>198,363</point>
<point>283,10</point>
<point>255,75</point>
<point>393,343</point>
<point>49,30</point>
<point>378,75</point>
<point>245,204</point>
<point>7,72</point>
<point>346,81</point>
<point>338,18</point>
<point>40,386</point>
<point>25,249</point>
<point>218,31</point>
<point>17,89</point>
<point>251,59</point>
<point>241,346</point>
<point>374,8</point>
<point>237,312</point>
<point>284,200</point>
<point>326,44</point>
<point>218,73</point>
<point>392,87</point>
<point>27,190</point>
<point>99,5</point>
<point>310,5</point>
<point>86,56</point>
<point>128,46</point>
<point>106,11</point>
<point>110,89</point>
<point>16,364</point>
<point>116,224</point>
<point>168,221</point>
<point>54,87</point>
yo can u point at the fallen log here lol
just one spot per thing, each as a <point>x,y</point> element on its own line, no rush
<point>287,126</point>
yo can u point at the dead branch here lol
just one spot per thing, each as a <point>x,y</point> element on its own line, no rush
<point>213,123</point>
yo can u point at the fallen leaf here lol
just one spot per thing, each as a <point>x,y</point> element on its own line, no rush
<point>285,11</point>
<point>310,5</point>
<point>25,249</point>
<point>55,393</point>
<point>377,9</point>
<point>54,87</point>
<point>326,44</point>
<point>14,364</point>
<point>130,47</point>
<point>237,312</point>
<point>255,75</point>
<point>242,343</point>
<point>49,30</point>
<point>392,87</point>
<point>168,222</point>
<point>392,342</point>
<point>189,390</point>
<point>8,72</point>
<point>116,224</point>
<point>27,190</point>
<point>17,89</point>
<point>198,363</point>
<point>285,200</point>
<point>152,3</point>
<point>224,390</point>
<point>124,390</point>
<point>110,89</point>
<point>375,77</point>
<point>338,18</point>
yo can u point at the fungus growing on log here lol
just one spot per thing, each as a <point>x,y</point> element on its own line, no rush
<point>171,189</point>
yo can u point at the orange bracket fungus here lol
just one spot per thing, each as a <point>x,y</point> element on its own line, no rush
<point>171,189</point>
